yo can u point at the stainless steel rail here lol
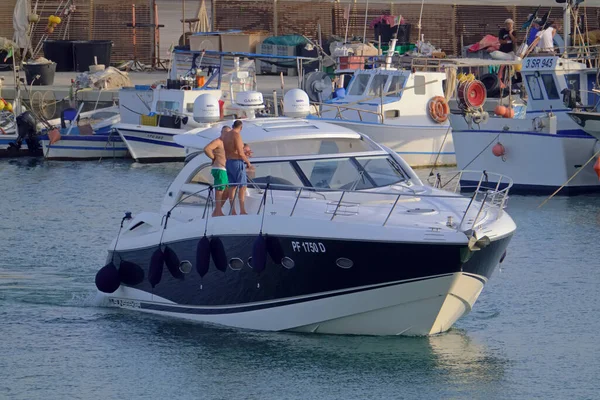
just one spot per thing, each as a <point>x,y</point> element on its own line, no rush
<point>486,196</point>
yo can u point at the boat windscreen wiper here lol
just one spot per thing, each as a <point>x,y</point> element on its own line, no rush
<point>397,168</point>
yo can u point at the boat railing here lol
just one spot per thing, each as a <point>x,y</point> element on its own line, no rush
<point>354,106</point>
<point>348,203</point>
<point>341,108</point>
<point>491,188</point>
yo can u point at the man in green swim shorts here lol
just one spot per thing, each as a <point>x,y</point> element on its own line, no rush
<point>216,152</point>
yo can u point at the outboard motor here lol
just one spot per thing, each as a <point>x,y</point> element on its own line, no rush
<point>27,127</point>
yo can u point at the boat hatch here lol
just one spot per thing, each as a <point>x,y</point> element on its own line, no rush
<point>286,127</point>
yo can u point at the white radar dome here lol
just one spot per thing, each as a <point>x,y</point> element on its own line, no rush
<point>249,99</point>
<point>206,108</point>
<point>296,104</point>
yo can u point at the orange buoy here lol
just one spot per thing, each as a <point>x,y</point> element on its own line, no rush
<point>500,110</point>
<point>499,150</point>
<point>53,136</point>
<point>510,113</point>
<point>597,167</point>
<point>439,109</point>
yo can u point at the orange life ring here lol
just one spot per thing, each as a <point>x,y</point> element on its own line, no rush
<point>439,109</point>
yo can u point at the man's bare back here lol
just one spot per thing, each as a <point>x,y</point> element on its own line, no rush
<point>231,140</point>
<point>215,150</point>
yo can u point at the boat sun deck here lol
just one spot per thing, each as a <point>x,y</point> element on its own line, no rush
<point>339,176</point>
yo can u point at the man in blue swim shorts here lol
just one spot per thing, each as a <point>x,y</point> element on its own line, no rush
<point>236,165</point>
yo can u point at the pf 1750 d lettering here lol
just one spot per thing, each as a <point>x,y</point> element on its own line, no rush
<point>308,247</point>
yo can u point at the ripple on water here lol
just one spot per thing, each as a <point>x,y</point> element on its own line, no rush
<point>531,334</point>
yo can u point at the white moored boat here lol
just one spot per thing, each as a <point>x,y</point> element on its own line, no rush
<point>542,147</point>
<point>392,107</point>
<point>84,136</point>
<point>151,118</point>
<point>341,237</point>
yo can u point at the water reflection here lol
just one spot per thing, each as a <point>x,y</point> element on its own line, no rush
<point>453,355</point>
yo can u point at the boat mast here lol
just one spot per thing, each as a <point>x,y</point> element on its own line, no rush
<point>567,25</point>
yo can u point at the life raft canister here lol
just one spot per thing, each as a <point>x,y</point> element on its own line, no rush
<point>439,109</point>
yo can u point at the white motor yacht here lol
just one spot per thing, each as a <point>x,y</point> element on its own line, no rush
<point>588,120</point>
<point>341,237</point>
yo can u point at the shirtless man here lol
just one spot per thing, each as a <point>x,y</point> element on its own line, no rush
<point>236,164</point>
<point>250,172</point>
<point>215,150</point>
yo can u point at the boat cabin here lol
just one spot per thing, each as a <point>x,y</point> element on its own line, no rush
<point>547,78</point>
<point>139,102</point>
<point>385,95</point>
<point>295,153</point>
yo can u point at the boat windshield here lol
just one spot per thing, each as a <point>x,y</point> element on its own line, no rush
<point>348,173</point>
<point>359,84</point>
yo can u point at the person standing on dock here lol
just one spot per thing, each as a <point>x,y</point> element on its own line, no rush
<point>236,164</point>
<point>215,150</point>
<point>507,37</point>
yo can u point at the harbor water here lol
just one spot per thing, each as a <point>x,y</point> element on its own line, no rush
<point>532,333</point>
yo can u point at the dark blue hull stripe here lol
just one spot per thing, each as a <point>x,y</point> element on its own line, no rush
<point>124,132</point>
<point>152,141</point>
<point>539,189</point>
<point>262,306</point>
<point>565,133</point>
<point>91,138</point>
<point>479,278</point>
<point>108,149</point>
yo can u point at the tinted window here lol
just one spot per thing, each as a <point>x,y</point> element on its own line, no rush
<point>167,106</point>
<point>535,91</point>
<point>380,170</point>
<point>359,84</point>
<point>573,81</point>
<point>378,85</point>
<point>280,173</point>
<point>550,86</point>
<point>396,85</point>
<point>332,174</point>
<point>344,174</point>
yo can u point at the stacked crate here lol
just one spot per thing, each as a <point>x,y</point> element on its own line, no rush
<point>264,68</point>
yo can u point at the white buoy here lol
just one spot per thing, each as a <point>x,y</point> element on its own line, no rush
<point>206,109</point>
<point>296,104</point>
